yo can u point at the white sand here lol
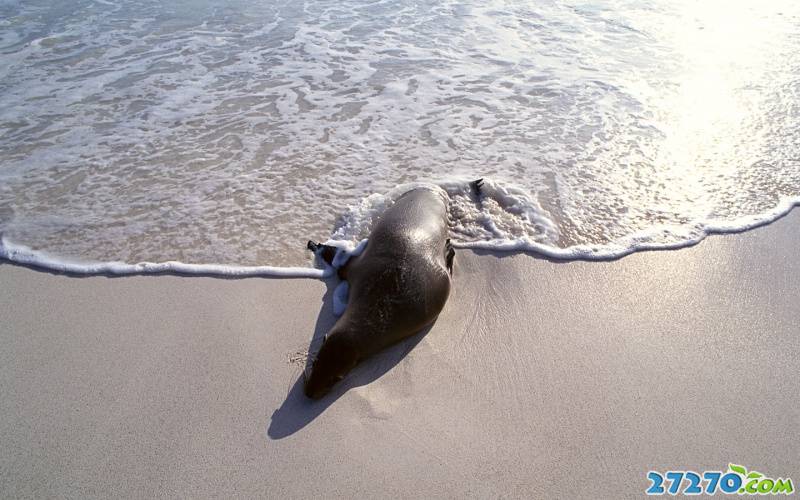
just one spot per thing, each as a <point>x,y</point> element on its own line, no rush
<point>539,379</point>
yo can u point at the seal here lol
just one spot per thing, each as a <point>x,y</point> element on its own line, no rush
<point>398,285</point>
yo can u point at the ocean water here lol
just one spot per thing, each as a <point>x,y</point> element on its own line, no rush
<point>220,136</point>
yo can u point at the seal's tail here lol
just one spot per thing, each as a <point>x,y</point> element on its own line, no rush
<point>476,187</point>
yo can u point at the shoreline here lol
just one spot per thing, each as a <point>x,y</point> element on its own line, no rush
<point>541,377</point>
<point>18,254</point>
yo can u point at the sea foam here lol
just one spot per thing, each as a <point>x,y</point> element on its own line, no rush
<point>502,218</point>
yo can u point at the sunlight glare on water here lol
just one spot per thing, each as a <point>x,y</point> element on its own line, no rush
<point>232,133</point>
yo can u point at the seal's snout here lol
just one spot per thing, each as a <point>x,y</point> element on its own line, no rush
<point>311,386</point>
<point>333,361</point>
<point>315,388</point>
<point>311,392</point>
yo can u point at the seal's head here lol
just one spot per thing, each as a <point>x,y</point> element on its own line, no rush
<point>335,359</point>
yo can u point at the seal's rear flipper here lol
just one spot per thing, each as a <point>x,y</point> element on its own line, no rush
<point>476,187</point>
<point>325,252</point>
<point>449,254</point>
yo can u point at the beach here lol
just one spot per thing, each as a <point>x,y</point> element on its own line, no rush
<point>539,379</point>
<point>619,178</point>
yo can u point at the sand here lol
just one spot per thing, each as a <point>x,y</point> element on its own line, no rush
<point>540,379</point>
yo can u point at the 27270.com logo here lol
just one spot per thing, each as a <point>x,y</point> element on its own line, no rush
<point>735,481</point>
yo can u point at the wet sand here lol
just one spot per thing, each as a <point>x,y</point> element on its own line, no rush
<point>540,379</point>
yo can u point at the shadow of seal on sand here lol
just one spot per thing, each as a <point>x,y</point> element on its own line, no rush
<point>297,411</point>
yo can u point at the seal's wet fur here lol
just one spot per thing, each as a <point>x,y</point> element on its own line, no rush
<point>398,286</point>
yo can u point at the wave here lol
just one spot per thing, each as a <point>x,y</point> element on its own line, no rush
<point>504,218</point>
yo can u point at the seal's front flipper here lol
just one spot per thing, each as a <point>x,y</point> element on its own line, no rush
<point>325,252</point>
<point>476,187</point>
<point>449,254</point>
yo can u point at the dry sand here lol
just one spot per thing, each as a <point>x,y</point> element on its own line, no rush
<point>540,379</point>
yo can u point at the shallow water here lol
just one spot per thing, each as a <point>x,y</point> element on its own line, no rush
<point>141,131</point>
